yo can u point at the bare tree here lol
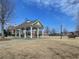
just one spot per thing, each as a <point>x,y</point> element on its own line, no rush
<point>6,10</point>
<point>77,21</point>
<point>53,32</point>
<point>65,31</point>
<point>77,25</point>
<point>47,30</point>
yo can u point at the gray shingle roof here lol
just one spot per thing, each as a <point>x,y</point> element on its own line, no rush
<point>29,23</point>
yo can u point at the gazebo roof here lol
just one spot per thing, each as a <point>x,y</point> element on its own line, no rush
<point>28,23</point>
<point>11,27</point>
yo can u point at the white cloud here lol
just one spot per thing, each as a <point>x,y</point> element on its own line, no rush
<point>70,7</point>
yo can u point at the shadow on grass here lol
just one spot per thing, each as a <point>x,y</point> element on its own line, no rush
<point>4,39</point>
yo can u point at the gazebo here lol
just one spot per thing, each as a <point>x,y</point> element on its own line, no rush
<point>29,28</point>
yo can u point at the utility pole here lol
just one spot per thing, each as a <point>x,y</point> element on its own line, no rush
<point>61,32</point>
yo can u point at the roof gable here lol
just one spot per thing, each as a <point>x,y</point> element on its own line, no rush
<point>38,23</point>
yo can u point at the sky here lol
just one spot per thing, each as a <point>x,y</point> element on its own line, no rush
<point>51,13</point>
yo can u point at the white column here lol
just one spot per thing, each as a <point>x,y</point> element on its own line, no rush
<point>19,33</point>
<point>15,33</point>
<point>31,32</point>
<point>25,35</point>
<point>12,32</point>
<point>37,32</point>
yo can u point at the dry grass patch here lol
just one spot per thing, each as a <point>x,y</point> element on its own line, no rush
<point>40,49</point>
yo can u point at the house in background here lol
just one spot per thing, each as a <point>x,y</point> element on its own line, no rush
<point>31,29</point>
